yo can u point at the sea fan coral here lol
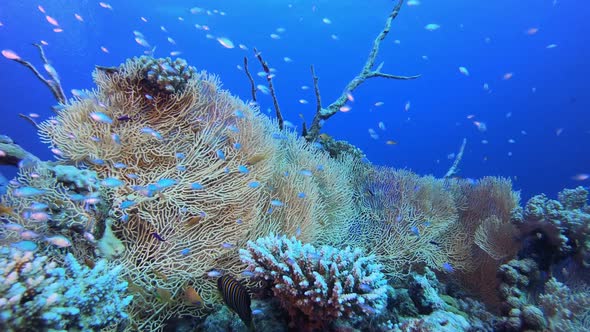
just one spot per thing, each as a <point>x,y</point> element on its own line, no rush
<point>407,220</point>
<point>37,295</point>
<point>318,286</point>
<point>192,174</point>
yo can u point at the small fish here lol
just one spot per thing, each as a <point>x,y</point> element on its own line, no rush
<point>101,117</point>
<point>28,235</point>
<point>127,204</point>
<point>464,71</point>
<point>237,146</point>
<point>185,251</point>
<point>447,267</point>
<point>158,237</point>
<point>365,288</point>
<point>214,274</point>
<point>236,297</point>
<point>220,154</point>
<point>39,216</point>
<point>192,297</point>
<point>276,202</point>
<point>196,186</point>
<point>225,42</point>
<point>391,142</point>
<point>254,184</point>
<point>13,227</point>
<point>301,195</point>
<point>247,274</point>
<point>432,27</point>
<point>407,106</point>
<point>305,172</point>
<point>119,165</point>
<point>28,192</point>
<point>116,138</point>
<point>150,131</point>
<point>165,183</point>
<point>112,182</point>
<point>415,231</point>
<point>24,245</point>
<point>59,241</point>
<point>124,118</point>
<point>227,245</point>
<point>381,125</point>
<point>243,169</point>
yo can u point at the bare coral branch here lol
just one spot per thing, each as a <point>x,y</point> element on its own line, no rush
<point>53,83</point>
<point>271,87</point>
<point>367,72</point>
<point>252,84</point>
<point>454,170</point>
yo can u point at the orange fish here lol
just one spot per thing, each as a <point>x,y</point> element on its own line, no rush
<point>192,297</point>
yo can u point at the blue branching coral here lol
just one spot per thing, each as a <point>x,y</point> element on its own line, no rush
<point>318,286</point>
<point>37,295</point>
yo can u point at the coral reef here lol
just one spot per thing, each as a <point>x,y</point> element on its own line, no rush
<point>519,278</point>
<point>37,295</point>
<point>53,200</point>
<point>317,286</point>
<point>190,175</point>
<point>554,230</point>
<point>12,154</point>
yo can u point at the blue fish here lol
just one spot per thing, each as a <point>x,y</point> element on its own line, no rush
<point>276,202</point>
<point>301,195</point>
<point>254,184</point>
<point>305,172</point>
<point>415,230</point>
<point>97,161</point>
<point>447,267</point>
<point>237,146</point>
<point>28,192</point>
<point>101,117</point>
<point>239,114</point>
<point>150,131</point>
<point>196,186</point>
<point>185,252</point>
<point>233,128</point>
<point>181,168</point>
<point>116,138</point>
<point>112,182</point>
<point>127,204</point>
<point>165,183</point>
<point>119,165</point>
<point>220,154</point>
<point>243,169</point>
<point>125,218</point>
<point>25,245</point>
<point>180,155</point>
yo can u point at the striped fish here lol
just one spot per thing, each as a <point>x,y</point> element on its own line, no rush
<point>236,296</point>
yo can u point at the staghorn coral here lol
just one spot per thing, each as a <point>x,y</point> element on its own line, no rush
<point>36,294</point>
<point>317,286</point>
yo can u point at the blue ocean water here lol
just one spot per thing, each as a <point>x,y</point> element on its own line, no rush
<point>542,108</point>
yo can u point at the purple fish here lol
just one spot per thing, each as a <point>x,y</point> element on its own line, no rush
<point>124,118</point>
<point>158,237</point>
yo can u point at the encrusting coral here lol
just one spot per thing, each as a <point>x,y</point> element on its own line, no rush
<point>317,286</point>
<point>37,295</point>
